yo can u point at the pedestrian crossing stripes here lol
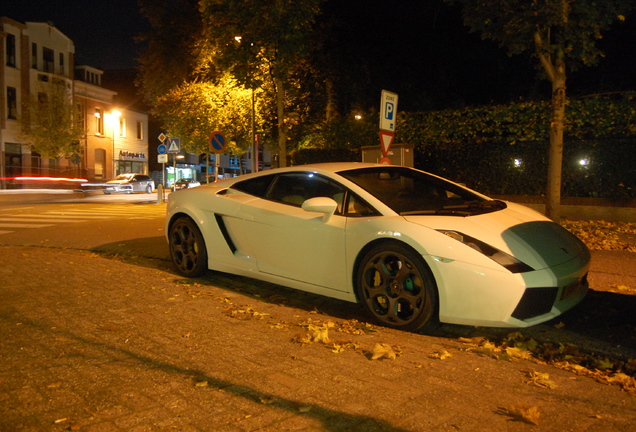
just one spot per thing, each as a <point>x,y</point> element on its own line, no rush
<point>30,218</point>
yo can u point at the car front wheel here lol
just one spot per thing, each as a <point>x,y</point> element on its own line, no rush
<point>397,287</point>
<point>187,248</point>
<point>148,189</point>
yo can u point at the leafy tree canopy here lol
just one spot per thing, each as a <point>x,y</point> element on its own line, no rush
<point>193,110</point>
<point>51,125</point>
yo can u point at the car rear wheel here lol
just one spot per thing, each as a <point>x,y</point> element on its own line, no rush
<point>187,248</point>
<point>397,287</point>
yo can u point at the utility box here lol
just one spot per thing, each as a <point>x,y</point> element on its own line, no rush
<point>399,154</point>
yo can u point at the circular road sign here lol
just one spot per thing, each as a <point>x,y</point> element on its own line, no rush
<point>162,149</point>
<point>217,142</point>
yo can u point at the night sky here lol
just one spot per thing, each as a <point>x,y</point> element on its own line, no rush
<point>416,48</point>
<point>103,31</point>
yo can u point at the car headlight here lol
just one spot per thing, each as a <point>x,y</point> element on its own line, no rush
<point>500,257</point>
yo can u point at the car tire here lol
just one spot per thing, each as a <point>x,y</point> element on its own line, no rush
<point>187,248</point>
<point>148,189</point>
<point>397,287</point>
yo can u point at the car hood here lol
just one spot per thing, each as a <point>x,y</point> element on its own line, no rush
<point>516,230</point>
<point>117,182</point>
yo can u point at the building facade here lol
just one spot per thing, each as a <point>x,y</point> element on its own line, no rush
<point>116,137</point>
<point>32,57</point>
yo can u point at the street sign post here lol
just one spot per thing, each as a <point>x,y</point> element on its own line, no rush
<point>388,111</point>
<point>388,117</point>
<point>217,144</point>
<point>174,145</point>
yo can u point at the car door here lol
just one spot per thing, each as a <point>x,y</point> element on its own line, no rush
<point>290,242</point>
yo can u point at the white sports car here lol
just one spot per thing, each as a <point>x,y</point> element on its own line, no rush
<point>414,248</point>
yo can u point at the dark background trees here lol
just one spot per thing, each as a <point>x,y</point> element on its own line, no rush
<point>337,61</point>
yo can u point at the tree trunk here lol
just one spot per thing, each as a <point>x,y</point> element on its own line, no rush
<point>282,132</point>
<point>555,155</point>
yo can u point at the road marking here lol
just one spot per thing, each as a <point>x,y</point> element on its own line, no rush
<point>74,215</point>
<point>19,225</point>
<point>36,218</point>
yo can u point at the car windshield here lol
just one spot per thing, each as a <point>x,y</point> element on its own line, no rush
<point>123,177</point>
<point>411,192</point>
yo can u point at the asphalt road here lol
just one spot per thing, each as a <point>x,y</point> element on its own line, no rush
<point>99,333</point>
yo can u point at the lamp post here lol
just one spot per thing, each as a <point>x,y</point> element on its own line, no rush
<point>254,150</point>
<point>114,115</point>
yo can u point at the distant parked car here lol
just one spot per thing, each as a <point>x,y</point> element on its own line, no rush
<point>129,183</point>
<point>186,184</point>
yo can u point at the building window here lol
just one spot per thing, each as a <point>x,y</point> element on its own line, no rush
<point>62,63</point>
<point>12,103</point>
<point>80,115</point>
<point>36,163</point>
<point>34,55</point>
<point>99,121</point>
<point>11,61</point>
<point>49,60</point>
<point>140,130</point>
<point>122,127</point>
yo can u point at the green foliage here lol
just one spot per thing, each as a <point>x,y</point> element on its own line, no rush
<point>194,110</point>
<point>274,31</point>
<point>546,28</point>
<point>595,117</point>
<point>342,133</point>
<point>478,146</point>
<point>51,125</point>
<point>305,156</point>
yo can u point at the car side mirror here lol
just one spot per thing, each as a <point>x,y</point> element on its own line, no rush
<point>324,205</point>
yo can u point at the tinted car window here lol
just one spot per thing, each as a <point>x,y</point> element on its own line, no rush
<point>408,191</point>
<point>295,188</point>
<point>256,186</point>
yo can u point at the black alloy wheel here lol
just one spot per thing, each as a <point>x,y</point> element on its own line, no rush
<point>187,248</point>
<point>397,287</point>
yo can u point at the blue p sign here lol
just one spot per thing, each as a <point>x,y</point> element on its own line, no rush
<point>389,108</point>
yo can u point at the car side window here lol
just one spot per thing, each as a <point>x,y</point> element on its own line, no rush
<point>357,207</point>
<point>295,188</point>
<point>256,186</point>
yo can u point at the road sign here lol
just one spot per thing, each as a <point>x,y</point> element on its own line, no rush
<point>388,111</point>
<point>162,158</point>
<point>162,149</point>
<point>162,137</point>
<point>174,145</point>
<point>386,139</point>
<point>217,142</point>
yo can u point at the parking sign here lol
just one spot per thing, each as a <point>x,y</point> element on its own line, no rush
<point>388,111</point>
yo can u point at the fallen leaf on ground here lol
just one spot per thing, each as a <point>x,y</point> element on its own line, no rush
<point>440,355</point>
<point>540,379</point>
<point>381,350</point>
<point>528,415</point>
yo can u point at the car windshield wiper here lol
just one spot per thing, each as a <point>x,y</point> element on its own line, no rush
<point>468,209</point>
<point>441,211</point>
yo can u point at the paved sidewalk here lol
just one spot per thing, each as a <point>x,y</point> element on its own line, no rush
<point>95,344</point>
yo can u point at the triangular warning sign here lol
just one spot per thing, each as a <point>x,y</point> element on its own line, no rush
<point>386,139</point>
<point>174,146</point>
